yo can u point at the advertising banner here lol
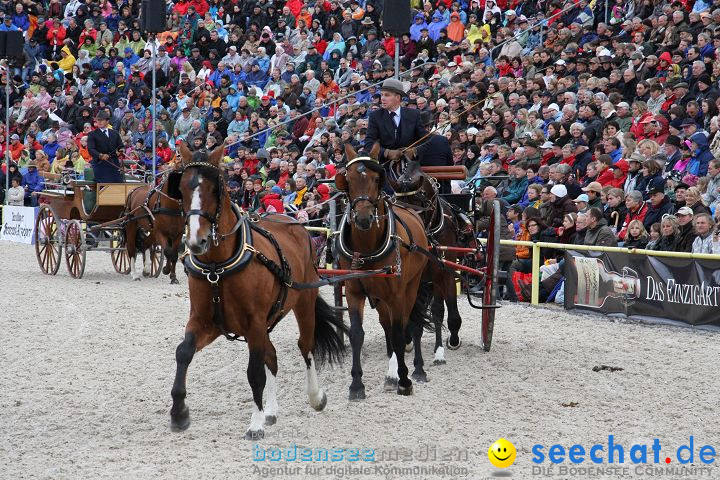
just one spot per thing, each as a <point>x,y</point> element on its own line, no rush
<point>18,224</point>
<point>681,289</point>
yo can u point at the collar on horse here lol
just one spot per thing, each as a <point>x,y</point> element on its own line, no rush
<point>244,252</point>
<point>387,245</point>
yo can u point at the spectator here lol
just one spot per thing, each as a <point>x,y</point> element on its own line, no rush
<point>693,199</point>
<point>637,209</point>
<point>660,204</point>
<point>518,185</point>
<point>597,232</point>
<point>593,191</point>
<point>686,229</point>
<point>561,203</point>
<point>16,193</point>
<point>637,236</point>
<point>669,235</point>
<point>706,241</point>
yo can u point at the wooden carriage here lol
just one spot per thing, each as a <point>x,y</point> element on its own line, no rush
<point>82,215</point>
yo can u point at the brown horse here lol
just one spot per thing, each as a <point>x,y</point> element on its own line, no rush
<point>442,226</point>
<point>156,218</point>
<point>375,235</point>
<point>241,281</point>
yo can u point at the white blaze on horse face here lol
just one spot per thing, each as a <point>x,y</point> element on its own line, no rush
<point>271,405</point>
<point>393,368</point>
<point>194,220</point>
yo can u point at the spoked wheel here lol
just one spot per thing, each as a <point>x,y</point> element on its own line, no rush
<point>119,254</point>
<point>48,241</point>
<point>157,259</point>
<point>75,248</point>
<point>492,253</point>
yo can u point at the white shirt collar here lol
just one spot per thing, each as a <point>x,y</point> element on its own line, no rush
<point>396,111</point>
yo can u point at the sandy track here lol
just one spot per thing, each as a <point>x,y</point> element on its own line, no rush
<point>88,366</point>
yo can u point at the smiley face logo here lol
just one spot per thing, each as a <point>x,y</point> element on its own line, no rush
<point>502,453</point>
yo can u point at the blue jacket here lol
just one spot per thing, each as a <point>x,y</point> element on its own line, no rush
<point>21,21</point>
<point>701,156</point>
<point>33,181</point>
<point>516,189</point>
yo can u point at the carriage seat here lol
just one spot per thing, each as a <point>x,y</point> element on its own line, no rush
<point>89,198</point>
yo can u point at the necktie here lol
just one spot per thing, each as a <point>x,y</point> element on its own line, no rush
<point>394,115</point>
<point>107,134</point>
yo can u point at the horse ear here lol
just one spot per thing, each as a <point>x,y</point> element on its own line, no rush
<point>341,182</point>
<point>185,153</point>
<point>216,155</point>
<point>375,152</point>
<point>350,152</point>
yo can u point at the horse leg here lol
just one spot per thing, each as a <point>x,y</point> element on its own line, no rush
<point>131,246</point>
<point>356,304</point>
<point>271,369</point>
<point>171,257</point>
<point>193,342</point>
<point>304,313</point>
<point>454,320</point>
<point>418,374</point>
<point>398,340</point>
<point>438,313</point>
<point>146,254</point>
<point>257,379</point>
<point>391,377</point>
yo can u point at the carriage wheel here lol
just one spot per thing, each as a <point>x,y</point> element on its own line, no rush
<point>119,254</point>
<point>491,278</point>
<point>157,259</point>
<point>48,242</point>
<point>75,248</point>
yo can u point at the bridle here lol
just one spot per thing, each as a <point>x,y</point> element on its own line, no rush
<point>365,198</point>
<point>213,219</point>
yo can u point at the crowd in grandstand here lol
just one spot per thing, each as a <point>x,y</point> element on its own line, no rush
<point>593,124</point>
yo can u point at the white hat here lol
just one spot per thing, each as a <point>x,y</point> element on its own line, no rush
<point>472,131</point>
<point>559,190</point>
<point>560,62</point>
<point>510,12</point>
<point>547,145</point>
<point>554,106</point>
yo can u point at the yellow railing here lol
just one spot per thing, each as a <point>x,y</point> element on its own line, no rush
<point>536,246</point>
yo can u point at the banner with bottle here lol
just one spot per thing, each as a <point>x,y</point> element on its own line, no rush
<point>681,289</point>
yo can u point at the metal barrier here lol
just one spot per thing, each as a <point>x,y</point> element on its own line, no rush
<point>536,246</point>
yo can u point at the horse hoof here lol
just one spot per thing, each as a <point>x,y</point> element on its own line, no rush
<point>452,346</point>
<point>420,377</point>
<point>254,435</point>
<point>181,421</point>
<point>270,420</point>
<point>408,347</point>
<point>146,274</point>
<point>390,384</point>
<point>166,270</point>
<point>174,281</point>
<point>356,395</point>
<point>439,362</point>
<point>405,391</point>
<point>320,406</point>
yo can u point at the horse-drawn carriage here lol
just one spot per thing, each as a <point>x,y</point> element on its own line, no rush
<point>77,216</point>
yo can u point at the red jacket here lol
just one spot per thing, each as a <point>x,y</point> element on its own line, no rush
<point>638,215</point>
<point>273,200</point>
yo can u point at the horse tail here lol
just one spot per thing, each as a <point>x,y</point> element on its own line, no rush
<point>420,314</point>
<point>329,346</point>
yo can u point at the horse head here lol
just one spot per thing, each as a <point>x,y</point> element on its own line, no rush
<point>362,180</point>
<point>203,194</point>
